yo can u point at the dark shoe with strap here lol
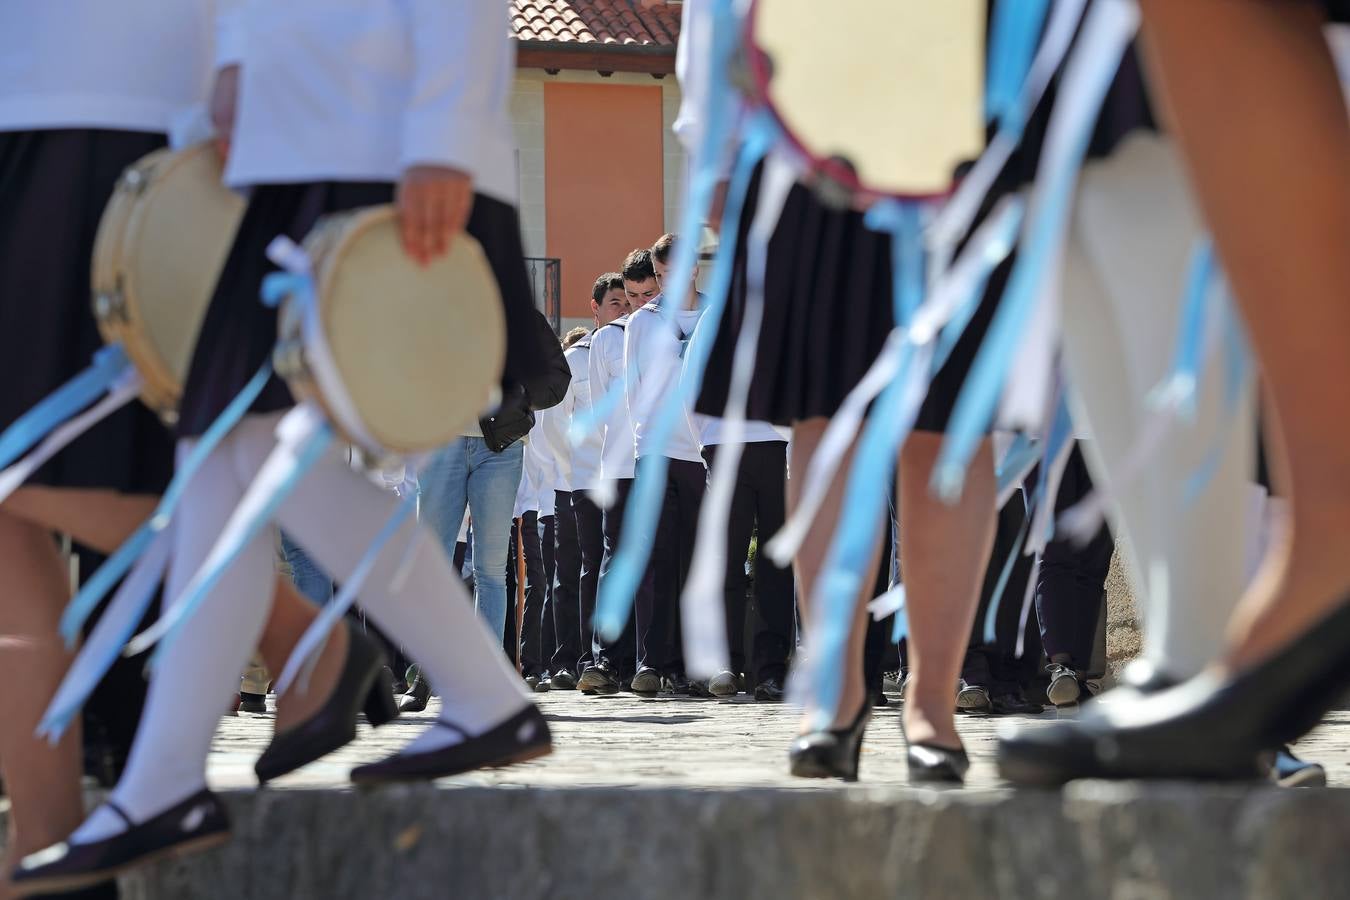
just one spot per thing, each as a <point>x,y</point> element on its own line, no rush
<point>832,753</point>
<point>197,823</point>
<point>522,737</point>
<point>363,686</point>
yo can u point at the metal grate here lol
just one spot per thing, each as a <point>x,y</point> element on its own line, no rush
<point>546,285</point>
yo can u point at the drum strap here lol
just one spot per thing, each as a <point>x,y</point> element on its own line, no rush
<point>110,364</point>
<point>141,556</point>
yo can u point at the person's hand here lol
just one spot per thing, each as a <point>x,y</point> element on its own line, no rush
<point>224,102</point>
<point>433,205</point>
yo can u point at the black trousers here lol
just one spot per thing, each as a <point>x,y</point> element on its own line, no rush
<point>1071,589</point>
<point>590,536</point>
<point>759,504</point>
<point>620,655</point>
<point>565,604</point>
<point>657,613</point>
<point>531,661</point>
<point>996,665</point>
<point>548,641</point>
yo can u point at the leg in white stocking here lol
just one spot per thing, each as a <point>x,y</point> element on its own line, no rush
<point>335,514</point>
<point>200,671</point>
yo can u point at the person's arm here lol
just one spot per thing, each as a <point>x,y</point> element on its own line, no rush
<point>454,100</point>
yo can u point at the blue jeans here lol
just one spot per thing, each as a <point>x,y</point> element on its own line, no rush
<point>467,472</point>
<point>310,580</point>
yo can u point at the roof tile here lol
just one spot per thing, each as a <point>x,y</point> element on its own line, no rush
<point>627,22</point>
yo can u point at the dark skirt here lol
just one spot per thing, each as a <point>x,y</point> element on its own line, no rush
<point>54,186</point>
<point>828,289</point>
<point>238,333</point>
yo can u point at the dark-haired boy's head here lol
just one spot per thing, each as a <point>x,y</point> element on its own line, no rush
<point>608,300</point>
<point>639,278</point>
<point>661,254</point>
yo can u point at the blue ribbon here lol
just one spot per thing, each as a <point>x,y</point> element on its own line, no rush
<point>1014,35</point>
<point>117,565</point>
<point>109,364</point>
<point>1179,388</point>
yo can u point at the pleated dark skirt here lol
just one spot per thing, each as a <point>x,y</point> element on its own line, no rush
<point>238,333</point>
<point>54,186</point>
<point>828,310</point>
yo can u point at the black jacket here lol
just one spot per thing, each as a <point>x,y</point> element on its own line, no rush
<point>514,418</point>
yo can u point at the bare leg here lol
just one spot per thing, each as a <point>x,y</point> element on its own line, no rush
<point>291,614</point>
<point>43,782</point>
<point>943,553</point>
<point>811,559</point>
<point>1275,189</point>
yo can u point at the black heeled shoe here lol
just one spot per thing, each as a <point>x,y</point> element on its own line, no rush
<point>832,753</point>
<point>931,764</point>
<point>197,823</point>
<point>1207,728</point>
<point>522,737</point>
<point>363,687</point>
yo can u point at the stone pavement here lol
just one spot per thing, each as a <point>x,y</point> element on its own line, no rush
<point>626,741</point>
<point>678,798</point>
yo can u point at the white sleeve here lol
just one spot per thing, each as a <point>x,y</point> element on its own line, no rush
<point>230,32</point>
<point>693,69</point>
<point>462,62</point>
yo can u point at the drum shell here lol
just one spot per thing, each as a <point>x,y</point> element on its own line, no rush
<point>120,309</point>
<point>469,392</point>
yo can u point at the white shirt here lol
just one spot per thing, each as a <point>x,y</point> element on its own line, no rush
<point>712,431</point>
<point>558,424</point>
<point>618,455</point>
<point>129,65</point>
<point>654,353</point>
<point>359,90</point>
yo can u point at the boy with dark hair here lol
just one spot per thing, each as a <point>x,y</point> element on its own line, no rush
<point>653,353</point>
<point>605,454</point>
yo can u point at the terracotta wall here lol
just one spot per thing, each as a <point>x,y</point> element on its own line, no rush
<point>604,190</point>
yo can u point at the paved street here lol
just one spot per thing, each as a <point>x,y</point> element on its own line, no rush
<point>623,740</point>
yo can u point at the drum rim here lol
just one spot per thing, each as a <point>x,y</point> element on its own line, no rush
<point>760,78</point>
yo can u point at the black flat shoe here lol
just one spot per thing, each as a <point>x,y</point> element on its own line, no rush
<point>522,737</point>
<point>770,690</point>
<point>197,823</point>
<point>931,764</point>
<point>419,694</point>
<point>599,680</point>
<point>832,753</point>
<point>363,686</point>
<point>1210,727</point>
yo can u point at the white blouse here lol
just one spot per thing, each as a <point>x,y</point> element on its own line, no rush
<point>359,90</point>
<point>128,65</point>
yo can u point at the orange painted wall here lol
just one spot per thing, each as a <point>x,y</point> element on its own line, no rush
<point>603,180</point>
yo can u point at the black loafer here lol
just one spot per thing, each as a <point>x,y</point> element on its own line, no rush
<point>418,696</point>
<point>363,686</point>
<point>599,680</point>
<point>770,690</point>
<point>931,764</point>
<point>197,823</point>
<point>563,680</point>
<point>522,737</point>
<point>647,682</point>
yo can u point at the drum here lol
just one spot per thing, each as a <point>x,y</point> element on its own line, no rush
<point>400,357</point>
<point>161,244</point>
<point>878,100</point>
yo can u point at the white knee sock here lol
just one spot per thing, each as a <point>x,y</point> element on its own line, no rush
<point>1122,296</point>
<point>334,514</point>
<point>200,671</point>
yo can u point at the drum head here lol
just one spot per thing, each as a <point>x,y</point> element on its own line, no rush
<point>175,223</point>
<point>887,99</point>
<point>419,350</point>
